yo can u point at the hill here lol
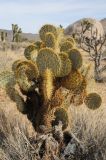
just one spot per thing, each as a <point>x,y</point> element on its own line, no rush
<point>28,36</point>
<point>76,27</point>
<point>103,21</point>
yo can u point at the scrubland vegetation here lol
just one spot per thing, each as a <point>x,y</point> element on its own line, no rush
<point>51,107</point>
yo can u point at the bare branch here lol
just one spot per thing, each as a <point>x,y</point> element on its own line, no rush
<point>102,43</point>
<point>102,69</point>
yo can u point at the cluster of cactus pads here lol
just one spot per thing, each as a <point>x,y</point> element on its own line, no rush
<point>52,64</point>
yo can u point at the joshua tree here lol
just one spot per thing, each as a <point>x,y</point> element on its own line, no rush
<point>16,33</point>
<point>93,44</point>
<point>3,36</point>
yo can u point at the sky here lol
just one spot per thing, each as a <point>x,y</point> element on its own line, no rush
<point>30,15</point>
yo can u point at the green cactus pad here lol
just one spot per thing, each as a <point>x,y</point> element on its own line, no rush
<point>39,45</point>
<point>24,79</point>
<point>71,39</point>
<point>72,81</point>
<point>50,40</point>
<point>26,73</point>
<point>28,50</point>
<point>61,115</point>
<point>66,46</point>
<point>76,58</point>
<point>33,56</point>
<point>48,59</point>
<point>93,101</point>
<point>32,69</point>
<point>25,85</point>
<point>66,64</point>
<point>15,64</point>
<point>47,28</point>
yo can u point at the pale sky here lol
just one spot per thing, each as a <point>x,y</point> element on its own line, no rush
<point>30,15</point>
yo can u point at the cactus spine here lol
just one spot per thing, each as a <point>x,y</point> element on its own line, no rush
<point>47,84</point>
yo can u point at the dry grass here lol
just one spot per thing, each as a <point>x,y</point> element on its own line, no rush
<point>16,132</point>
<point>90,128</point>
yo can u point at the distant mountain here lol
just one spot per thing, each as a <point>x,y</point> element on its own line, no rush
<point>28,36</point>
<point>103,21</point>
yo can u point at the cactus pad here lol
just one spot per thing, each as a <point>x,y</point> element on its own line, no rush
<point>72,81</point>
<point>65,65</point>
<point>32,69</point>
<point>39,45</point>
<point>48,59</point>
<point>93,101</point>
<point>26,73</point>
<point>61,115</point>
<point>28,51</point>
<point>47,28</point>
<point>66,46</point>
<point>15,64</point>
<point>76,58</point>
<point>71,39</point>
<point>22,79</point>
<point>33,55</point>
<point>50,40</point>
<point>47,85</point>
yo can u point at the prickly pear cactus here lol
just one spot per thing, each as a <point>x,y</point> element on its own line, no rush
<point>28,51</point>
<point>93,101</point>
<point>50,40</point>
<point>66,46</point>
<point>76,58</point>
<point>45,29</point>
<point>65,64</point>
<point>71,39</point>
<point>52,65</point>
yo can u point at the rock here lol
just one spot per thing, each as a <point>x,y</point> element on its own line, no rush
<point>103,22</point>
<point>76,27</point>
<point>70,149</point>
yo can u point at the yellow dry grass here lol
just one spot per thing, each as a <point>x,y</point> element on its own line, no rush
<point>88,126</point>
